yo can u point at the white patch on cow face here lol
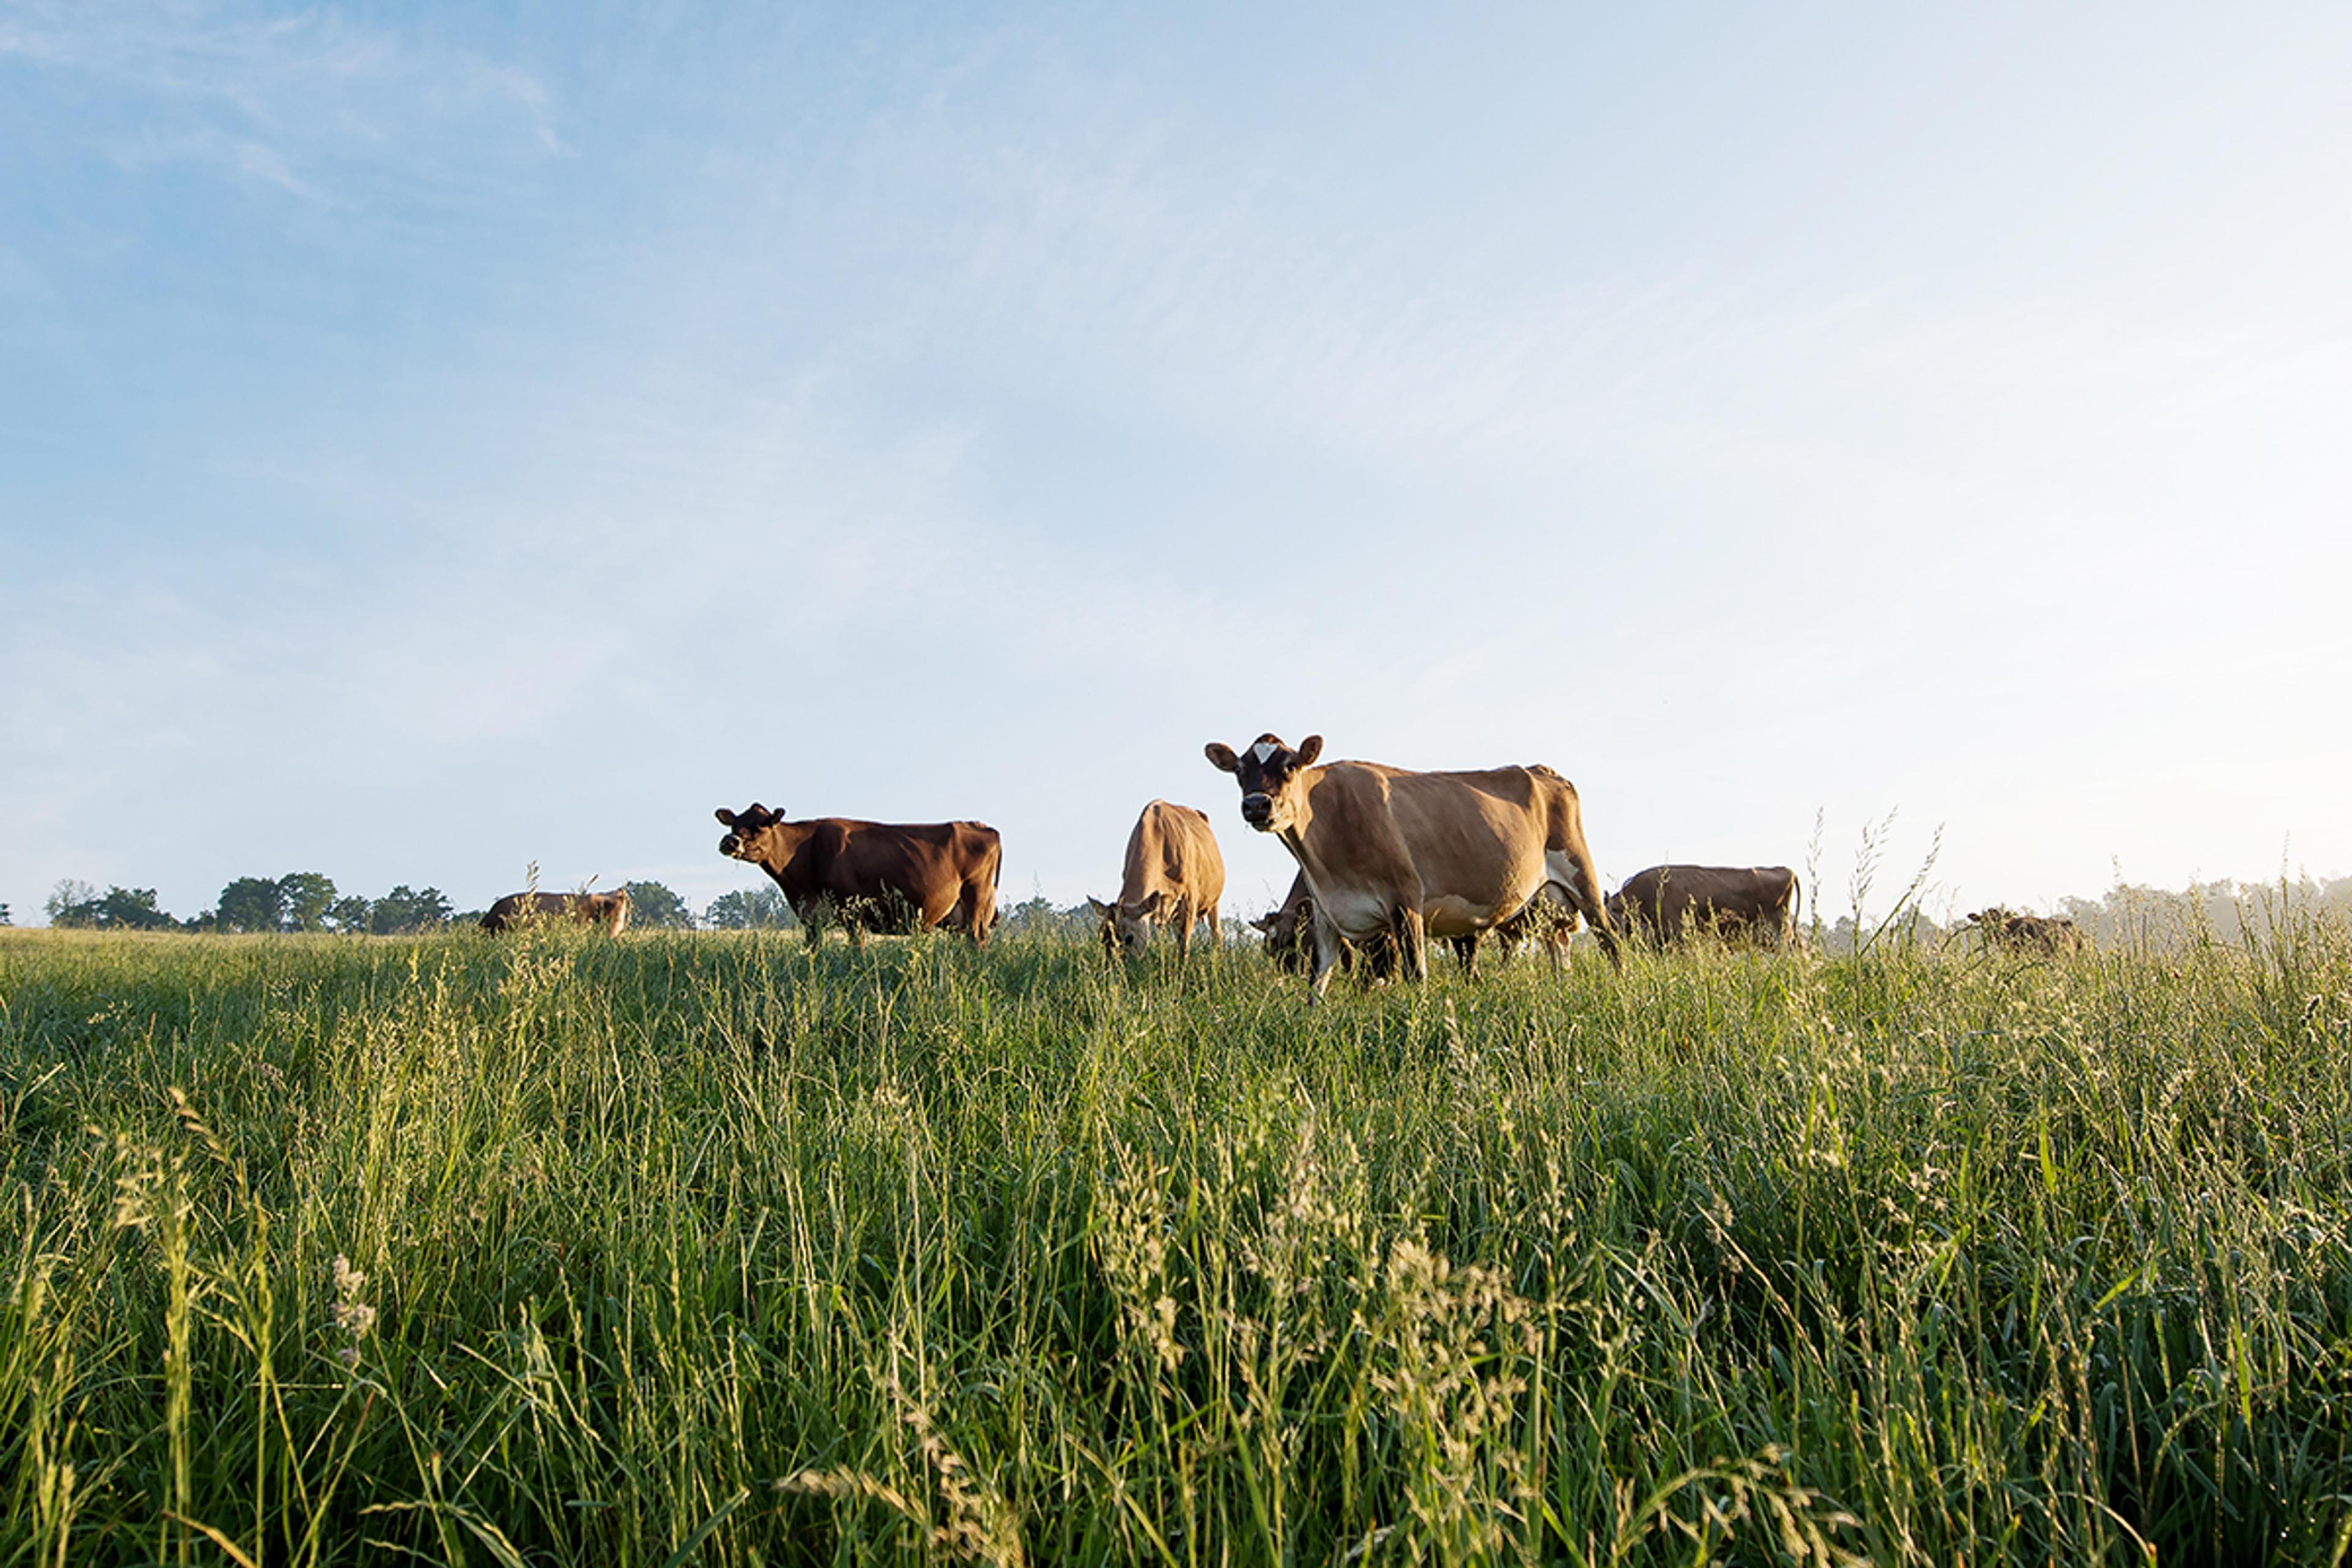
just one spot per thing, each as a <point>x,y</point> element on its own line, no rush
<point>1264,750</point>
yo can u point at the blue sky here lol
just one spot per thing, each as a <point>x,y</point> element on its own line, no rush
<point>437,438</point>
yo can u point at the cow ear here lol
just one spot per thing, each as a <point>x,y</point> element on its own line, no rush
<point>1308,750</point>
<point>726,817</point>
<point>1266,922</point>
<point>1102,911</point>
<point>1221,757</point>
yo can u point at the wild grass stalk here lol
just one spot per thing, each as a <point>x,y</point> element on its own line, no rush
<point>714,1248</point>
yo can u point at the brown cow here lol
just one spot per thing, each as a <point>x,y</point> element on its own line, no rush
<point>1172,873</point>
<point>873,876</point>
<point>2044,934</point>
<point>1389,853</point>
<point>1670,903</point>
<point>1547,918</point>
<point>610,910</point>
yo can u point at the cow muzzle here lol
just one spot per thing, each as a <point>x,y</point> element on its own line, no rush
<point>1257,810</point>
<point>732,846</point>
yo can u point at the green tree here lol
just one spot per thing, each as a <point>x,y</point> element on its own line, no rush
<point>121,908</point>
<point>70,902</point>
<point>308,895</point>
<point>653,905</point>
<point>748,908</point>
<point>408,910</point>
<point>350,914</point>
<point>253,903</point>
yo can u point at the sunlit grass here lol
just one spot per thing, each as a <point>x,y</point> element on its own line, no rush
<point>713,1249</point>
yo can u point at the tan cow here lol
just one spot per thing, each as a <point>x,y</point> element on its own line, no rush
<point>2044,934</point>
<point>1173,874</point>
<point>1547,918</point>
<point>610,910</point>
<point>873,876</point>
<point>1672,903</point>
<point>1395,854</point>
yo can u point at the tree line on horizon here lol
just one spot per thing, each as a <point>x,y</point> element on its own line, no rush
<point>310,901</point>
<point>2222,910</point>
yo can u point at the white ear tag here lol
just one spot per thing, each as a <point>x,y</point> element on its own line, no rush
<point>1264,750</point>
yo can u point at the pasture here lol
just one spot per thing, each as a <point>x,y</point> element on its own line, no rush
<point>708,1249</point>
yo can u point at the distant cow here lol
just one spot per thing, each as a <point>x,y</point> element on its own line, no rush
<point>1389,855</point>
<point>873,876</point>
<point>2044,934</point>
<point>1671,903</point>
<point>610,910</point>
<point>1173,874</point>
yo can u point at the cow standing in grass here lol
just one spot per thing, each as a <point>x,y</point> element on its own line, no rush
<point>2044,935</point>
<point>610,910</point>
<point>1173,874</point>
<point>873,876</point>
<point>1392,855</point>
<point>1675,903</point>
<point>1547,918</point>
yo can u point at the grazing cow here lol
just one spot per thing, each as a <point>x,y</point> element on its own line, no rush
<point>610,910</point>
<point>1671,903</point>
<point>1289,929</point>
<point>1547,918</point>
<point>873,876</point>
<point>1392,855</point>
<point>2044,934</point>
<point>1173,873</point>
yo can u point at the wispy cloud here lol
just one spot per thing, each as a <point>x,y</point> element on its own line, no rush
<point>285,100</point>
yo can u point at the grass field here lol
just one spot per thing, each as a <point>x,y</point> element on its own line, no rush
<point>708,1249</point>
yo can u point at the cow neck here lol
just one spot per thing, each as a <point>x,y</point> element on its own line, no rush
<point>1294,838</point>
<point>795,837</point>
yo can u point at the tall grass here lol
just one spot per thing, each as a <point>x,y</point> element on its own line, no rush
<point>712,1248</point>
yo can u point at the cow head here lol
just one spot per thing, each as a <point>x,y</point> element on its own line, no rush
<point>745,829</point>
<point>1128,927</point>
<point>1269,773</point>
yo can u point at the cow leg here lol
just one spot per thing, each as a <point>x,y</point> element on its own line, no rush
<point>1413,942</point>
<point>1184,928</point>
<point>1465,948</point>
<point>1328,948</point>
<point>1216,937</point>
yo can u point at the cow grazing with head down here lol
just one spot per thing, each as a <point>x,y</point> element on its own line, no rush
<point>1391,855</point>
<point>1673,903</point>
<point>873,876</point>
<point>2046,935</point>
<point>1173,874</point>
<point>1289,929</point>
<point>610,910</point>
<point>1547,918</point>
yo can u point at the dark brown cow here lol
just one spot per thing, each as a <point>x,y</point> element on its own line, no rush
<point>1172,873</point>
<point>873,876</point>
<point>2044,934</point>
<point>1389,854</point>
<point>1672,903</point>
<point>610,910</point>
